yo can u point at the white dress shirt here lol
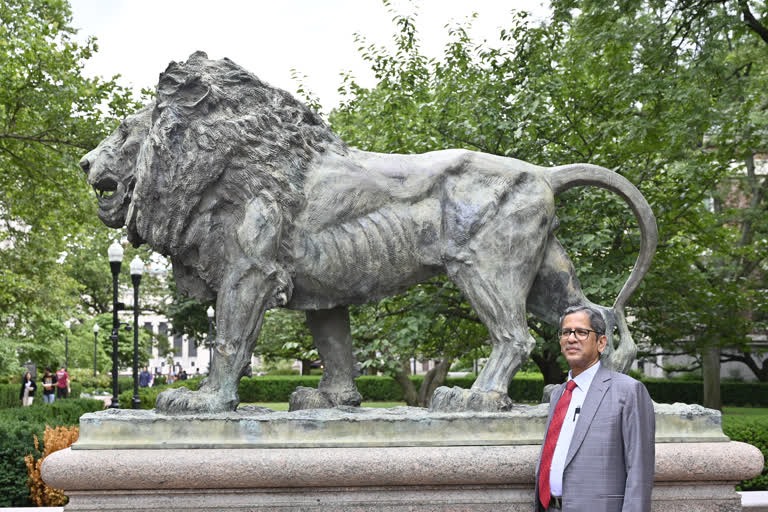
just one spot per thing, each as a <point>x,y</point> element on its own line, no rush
<point>583,381</point>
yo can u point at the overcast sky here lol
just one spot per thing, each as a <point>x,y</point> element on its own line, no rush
<point>138,38</point>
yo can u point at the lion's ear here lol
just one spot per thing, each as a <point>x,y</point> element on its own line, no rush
<point>184,91</point>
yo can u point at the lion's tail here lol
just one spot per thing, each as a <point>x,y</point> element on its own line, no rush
<point>565,177</point>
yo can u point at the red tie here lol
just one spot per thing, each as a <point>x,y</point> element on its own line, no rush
<point>551,441</point>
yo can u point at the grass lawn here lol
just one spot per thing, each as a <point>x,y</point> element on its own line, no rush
<point>746,411</point>
<point>283,406</point>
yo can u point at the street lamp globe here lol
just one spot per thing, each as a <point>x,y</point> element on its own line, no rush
<point>96,328</point>
<point>210,312</point>
<point>137,266</point>
<point>115,252</point>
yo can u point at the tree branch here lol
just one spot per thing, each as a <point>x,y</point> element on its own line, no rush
<point>749,19</point>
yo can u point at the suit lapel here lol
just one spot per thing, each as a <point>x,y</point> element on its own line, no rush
<point>600,384</point>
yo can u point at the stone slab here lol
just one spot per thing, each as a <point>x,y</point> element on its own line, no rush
<point>258,427</point>
<point>688,477</point>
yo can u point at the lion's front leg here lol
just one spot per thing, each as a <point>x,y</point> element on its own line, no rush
<point>254,282</point>
<point>241,304</point>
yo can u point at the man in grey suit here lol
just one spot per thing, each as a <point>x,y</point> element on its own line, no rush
<point>599,451</point>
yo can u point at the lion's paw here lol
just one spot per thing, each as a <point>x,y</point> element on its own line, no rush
<point>184,401</point>
<point>311,398</point>
<point>457,399</point>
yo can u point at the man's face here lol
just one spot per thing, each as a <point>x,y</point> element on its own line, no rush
<point>581,354</point>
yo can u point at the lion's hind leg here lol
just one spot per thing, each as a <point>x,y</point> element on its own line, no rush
<point>505,256</point>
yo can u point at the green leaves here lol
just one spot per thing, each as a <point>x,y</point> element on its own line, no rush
<point>50,115</point>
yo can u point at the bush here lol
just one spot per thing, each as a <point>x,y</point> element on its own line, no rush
<point>54,439</point>
<point>752,430</point>
<point>18,426</point>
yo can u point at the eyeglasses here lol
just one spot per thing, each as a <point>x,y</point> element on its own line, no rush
<point>581,334</point>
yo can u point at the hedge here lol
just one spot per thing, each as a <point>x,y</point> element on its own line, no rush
<point>753,394</point>
<point>523,388</point>
<point>17,427</point>
<point>279,388</point>
<point>752,430</point>
<point>149,395</point>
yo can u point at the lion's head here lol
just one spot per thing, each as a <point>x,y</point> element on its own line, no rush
<point>111,167</point>
<point>180,173</point>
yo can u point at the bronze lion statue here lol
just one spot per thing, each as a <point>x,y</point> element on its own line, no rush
<point>259,205</point>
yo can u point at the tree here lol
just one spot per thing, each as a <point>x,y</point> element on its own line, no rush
<point>697,71</point>
<point>468,99</point>
<point>668,94</point>
<point>50,115</point>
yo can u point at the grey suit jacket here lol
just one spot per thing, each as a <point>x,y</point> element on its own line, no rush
<point>610,463</point>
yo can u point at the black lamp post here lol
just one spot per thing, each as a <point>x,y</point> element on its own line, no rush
<point>95,345</point>
<point>67,324</point>
<point>137,267</point>
<point>115,253</point>
<point>211,313</point>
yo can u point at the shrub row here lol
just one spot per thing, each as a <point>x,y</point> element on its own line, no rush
<point>279,388</point>
<point>149,395</point>
<point>523,388</point>
<point>9,394</point>
<point>692,392</point>
<point>17,427</point>
<point>754,431</point>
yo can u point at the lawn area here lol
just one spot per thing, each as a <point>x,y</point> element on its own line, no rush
<point>746,411</point>
<point>283,406</point>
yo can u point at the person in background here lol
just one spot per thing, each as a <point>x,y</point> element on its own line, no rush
<point>49,386</point>
<point>28,387</point>
<point>62,383</point>
<point>145,378</point>
<point>183,375</point>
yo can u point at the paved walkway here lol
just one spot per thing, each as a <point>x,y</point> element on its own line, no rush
<point>754,501</point>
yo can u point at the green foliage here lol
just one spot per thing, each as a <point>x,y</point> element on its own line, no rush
<point>9,396</point>
<point>50,115</point>
<point>755,432</point>
<point>17,427</point>
<point>285,335</point>
<point>670,95</point>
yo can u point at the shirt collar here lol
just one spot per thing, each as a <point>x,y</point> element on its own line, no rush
<point>584,379</point>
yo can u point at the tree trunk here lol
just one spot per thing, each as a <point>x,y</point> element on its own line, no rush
<point>409,390</point>
<point>433,380</point>
<point>549,367</point>
<point>710,365</point>
<point>305,366</point>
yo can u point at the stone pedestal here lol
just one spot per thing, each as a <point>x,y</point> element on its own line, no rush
<point>698,476</point>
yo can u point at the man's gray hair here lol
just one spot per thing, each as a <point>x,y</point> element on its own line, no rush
<point>596,320</point>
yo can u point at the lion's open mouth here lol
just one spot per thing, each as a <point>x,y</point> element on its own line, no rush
<point>105,188</point>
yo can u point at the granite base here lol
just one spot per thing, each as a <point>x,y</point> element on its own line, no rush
<point>689,477</point>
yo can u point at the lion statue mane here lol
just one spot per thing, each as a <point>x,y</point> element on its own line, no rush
<point>259,204</point>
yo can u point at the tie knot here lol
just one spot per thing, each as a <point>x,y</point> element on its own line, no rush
<point>570,385</point>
